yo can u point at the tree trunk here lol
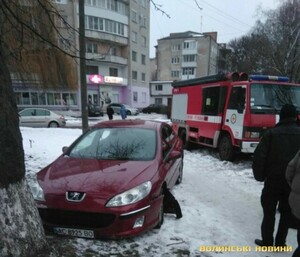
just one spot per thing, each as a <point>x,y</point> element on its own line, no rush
<point>21,231</point>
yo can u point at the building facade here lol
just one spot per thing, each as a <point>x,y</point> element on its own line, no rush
<point>181,56</point>
<point>117,55</point>
<point>186,55</point>
<point>161,92</point>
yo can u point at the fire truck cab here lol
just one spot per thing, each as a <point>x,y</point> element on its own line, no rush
<point>229,112</point>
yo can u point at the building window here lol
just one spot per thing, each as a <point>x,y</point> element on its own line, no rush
<point>143,76</point>
<point>134,75</point>
<point>112,5</point>
<point>91,48</point>
<point>176,47</point>
<point>134,16</point>
<point>174,73</point>
<point>91,69</point>
<point>158,100</point>
<point>188,71</point>
<point>143,21</point>
<point>189,58</point>
<point>135,96</point>
<point>143,59</point>
<point>113,51</point>
<point>101,24</point>
<point>134,36</point>
<point>158,87</point>
<point>144,41</point>
<point>113,72</point>
<point>63,22</point>
<point>134,56</point>
<point>211,100</point>
<point>189,45</point>
<point>175,60</point>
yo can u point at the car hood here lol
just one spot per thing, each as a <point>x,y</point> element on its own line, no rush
<point>104,177</point>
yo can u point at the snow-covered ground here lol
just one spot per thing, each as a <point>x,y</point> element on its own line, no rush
<point>220,203</point>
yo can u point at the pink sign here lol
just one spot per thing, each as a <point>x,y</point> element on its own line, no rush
<point>96,79</point>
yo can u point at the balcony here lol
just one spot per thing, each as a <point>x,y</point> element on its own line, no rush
<point>188,51</point>
<point>188,64</point>
<point>102,36</point>
<point>106,58</point>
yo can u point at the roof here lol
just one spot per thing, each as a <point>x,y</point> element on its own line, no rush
<point>182,35</point>
<point>190,34</point>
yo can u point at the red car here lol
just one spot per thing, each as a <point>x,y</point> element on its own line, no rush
<point>111,181</point>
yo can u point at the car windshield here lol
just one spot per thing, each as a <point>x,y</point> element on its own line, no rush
<point>269,98</point>
<point>116,144</point>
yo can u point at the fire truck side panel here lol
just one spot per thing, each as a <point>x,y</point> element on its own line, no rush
<point>204,129</point>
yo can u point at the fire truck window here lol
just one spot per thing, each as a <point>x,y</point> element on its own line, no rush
<point>237,99</point>
<point>211,100</point>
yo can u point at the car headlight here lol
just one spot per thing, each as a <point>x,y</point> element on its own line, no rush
<point>131,196</point>
<point>37,191</point>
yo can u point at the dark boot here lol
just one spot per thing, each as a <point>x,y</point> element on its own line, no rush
<point>260,242</point>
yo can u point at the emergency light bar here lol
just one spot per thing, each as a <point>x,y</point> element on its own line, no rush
<point>271,78</point>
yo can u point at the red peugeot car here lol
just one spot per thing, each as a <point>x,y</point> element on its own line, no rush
<point>111,181</point>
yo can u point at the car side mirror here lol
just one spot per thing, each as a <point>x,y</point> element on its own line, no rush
<point>65,149</point>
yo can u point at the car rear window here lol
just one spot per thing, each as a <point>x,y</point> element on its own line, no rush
<point>116,144</point>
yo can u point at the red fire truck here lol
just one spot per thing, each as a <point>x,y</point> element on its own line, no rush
<point>229,112</point>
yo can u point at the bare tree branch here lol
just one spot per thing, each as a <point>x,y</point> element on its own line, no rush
<point>157,7</point>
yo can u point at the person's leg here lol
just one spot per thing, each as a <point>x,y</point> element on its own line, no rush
<point>297,251</point>
<point>285,218</point>
<point>269,205</point>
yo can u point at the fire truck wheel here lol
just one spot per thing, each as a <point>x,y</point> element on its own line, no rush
<point>226,151</point>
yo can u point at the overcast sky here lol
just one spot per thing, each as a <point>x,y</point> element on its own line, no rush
<point>230,18</point>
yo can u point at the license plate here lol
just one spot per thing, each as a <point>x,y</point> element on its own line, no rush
<point>74,232</point>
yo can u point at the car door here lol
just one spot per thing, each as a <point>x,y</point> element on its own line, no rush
<point>26,117</point>
<point>170,143</point>
<point>42,117</point>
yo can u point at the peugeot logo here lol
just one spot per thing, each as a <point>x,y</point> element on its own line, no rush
<point>75,196</point>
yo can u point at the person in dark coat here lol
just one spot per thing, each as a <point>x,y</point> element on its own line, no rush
<point>110,112</point>
<point>271,157</point>
<point>293,178</point>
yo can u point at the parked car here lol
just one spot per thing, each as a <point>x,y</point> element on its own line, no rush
<point>156,108</point>
<point>39,117</point>
<point>94,110</point>
<point>110,182</point>
<point>129,110</point>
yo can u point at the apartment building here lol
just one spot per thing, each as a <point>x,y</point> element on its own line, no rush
<point>186,55</point>
<point>117,55</point>
<point>181,56</point>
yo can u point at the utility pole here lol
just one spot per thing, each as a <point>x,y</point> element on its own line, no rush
<point>83,87</point>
